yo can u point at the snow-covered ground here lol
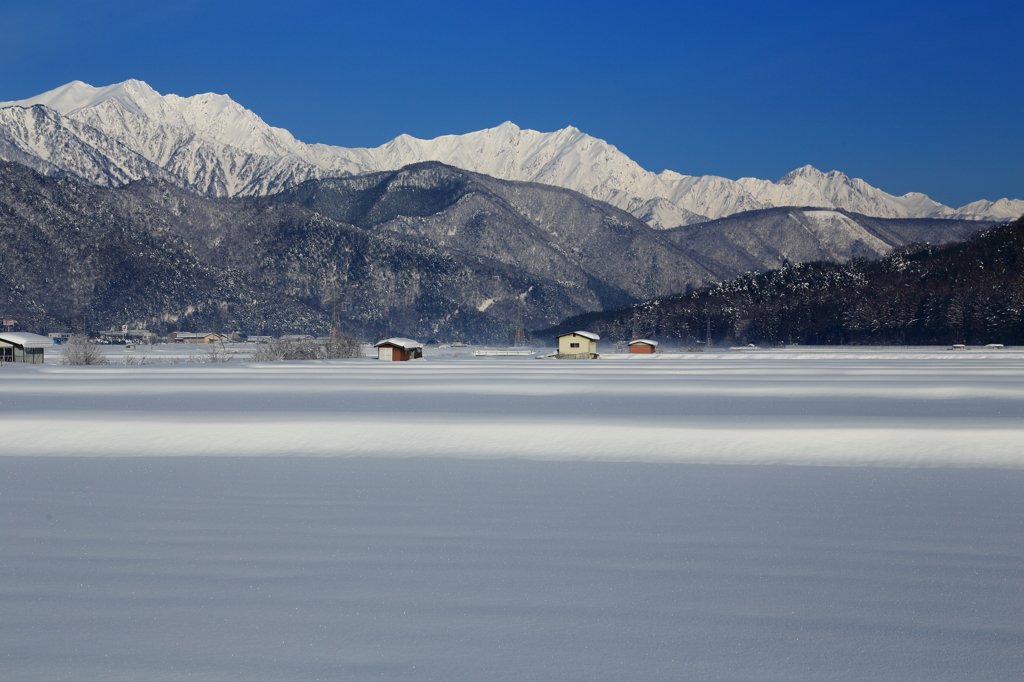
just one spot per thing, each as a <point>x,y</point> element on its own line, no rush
<point>889,407</point>
<point>432,520</point>
<point>293,569</point>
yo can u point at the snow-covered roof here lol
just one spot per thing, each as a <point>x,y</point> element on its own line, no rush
<point>400,342</point>
<point>27,340</point>
<point>647,342</point>
<point>587,335</point>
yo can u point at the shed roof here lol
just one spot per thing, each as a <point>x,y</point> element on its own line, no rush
<point>27,340</point>
<point>400,342</point>
<point>587,335</point>
<point>646,342</point>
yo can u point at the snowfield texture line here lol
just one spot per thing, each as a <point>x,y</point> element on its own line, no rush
<point>928,409</point>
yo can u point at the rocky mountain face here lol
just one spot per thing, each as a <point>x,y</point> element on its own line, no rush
<point>112,135</point>
<point>768,238</point>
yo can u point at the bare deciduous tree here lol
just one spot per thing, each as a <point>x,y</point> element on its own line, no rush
<point>309,349</point>
<point>78,350</point>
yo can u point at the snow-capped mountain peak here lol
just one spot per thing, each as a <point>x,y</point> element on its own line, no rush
<point>213,144</point>
<point>807,172</point>
<point>76,95</point>
<point>215,117</point>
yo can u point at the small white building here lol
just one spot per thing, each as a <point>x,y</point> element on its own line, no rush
<point>398,348</point>
<point>23,347</point>
<point>578,345</point>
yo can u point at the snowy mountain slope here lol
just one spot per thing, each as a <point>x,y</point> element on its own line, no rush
<point>807,186</point>
<point>767,238</point>
<point>211,144</point>
<point>990,210</point>
<point>544,231</point>
<point>151,254</point>
<point>53,144</point>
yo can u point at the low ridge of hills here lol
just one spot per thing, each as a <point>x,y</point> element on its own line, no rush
<point>116,134</point>
<point>428,250</point>
<point>969,292</point>
<point>153,255</point>
<point>768,238</point>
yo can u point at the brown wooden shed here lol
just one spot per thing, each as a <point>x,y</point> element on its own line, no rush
<point>643,346</point>
<point>398,349</point>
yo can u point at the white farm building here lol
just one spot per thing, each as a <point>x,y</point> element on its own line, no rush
<point>578,345</point>
<point>23,347</point>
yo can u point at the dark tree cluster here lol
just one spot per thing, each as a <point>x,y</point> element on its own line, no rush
<point>969,292</point>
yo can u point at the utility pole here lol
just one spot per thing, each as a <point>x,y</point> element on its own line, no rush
<point>709,333</point>
<point>335,322</point>
<point>520,338</point>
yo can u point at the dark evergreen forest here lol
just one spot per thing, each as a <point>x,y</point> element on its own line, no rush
<point>969,292</point>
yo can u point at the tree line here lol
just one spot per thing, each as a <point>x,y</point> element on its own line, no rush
<point>969,292</point>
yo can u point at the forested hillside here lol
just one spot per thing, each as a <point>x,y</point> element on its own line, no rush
<point>968,292</point>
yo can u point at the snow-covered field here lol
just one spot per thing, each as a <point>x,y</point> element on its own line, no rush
<point>463,518</point>
<point>890,408</point>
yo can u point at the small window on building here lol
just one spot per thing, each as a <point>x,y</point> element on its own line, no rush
<point>574,345</point>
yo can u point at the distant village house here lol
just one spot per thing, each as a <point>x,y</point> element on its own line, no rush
<point>577,345</point>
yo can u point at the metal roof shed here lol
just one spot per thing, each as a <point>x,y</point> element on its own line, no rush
<point>23,347</point>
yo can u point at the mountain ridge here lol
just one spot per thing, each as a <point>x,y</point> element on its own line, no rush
<point>428,250</point>
<point>213,145</point>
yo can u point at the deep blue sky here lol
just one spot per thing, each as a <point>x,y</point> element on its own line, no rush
<point>910,96</point>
